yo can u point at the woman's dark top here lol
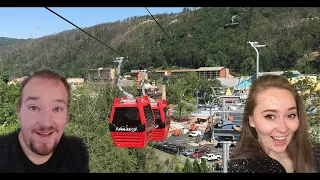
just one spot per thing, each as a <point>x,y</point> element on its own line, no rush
<point>263,164</point>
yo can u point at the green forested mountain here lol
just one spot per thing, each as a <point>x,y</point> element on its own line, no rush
<point>4,41</point>
<point>191,39</point>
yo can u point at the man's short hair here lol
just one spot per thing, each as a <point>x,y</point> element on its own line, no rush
<point>45,74</point>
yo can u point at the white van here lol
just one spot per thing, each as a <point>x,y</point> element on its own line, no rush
<point>195,133</point>
<point>211,157</point>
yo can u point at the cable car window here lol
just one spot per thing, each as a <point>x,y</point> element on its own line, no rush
<point>126,117</point>
<point>157,116</point>
<point>149,115</point>
<point>167,116</point>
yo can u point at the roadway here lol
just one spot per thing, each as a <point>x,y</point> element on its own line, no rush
<point>193,142</point>
<point>189,143</point>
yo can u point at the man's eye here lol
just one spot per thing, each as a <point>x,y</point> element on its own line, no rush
<point>58,109</point>
<point>33,108</point>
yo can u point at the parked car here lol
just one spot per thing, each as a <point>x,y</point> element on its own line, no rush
<point>168,147</point>
<point>181,148</point>
<point>205,149</point>
<point>211,157</point>
<point>188,152</point>
<point>195,133</point>
<point>198,154</point>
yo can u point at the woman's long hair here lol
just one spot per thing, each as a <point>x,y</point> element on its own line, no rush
<point>299,149</point>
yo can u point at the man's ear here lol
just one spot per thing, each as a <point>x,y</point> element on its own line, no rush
<point>251,123</point>
<point>18,111</point>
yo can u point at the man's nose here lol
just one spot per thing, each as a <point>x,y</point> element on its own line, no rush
<point>46,117</point>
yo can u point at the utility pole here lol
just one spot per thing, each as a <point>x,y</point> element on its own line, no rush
<point>226,152</point>
<point>256,45</point>
<point>119,61</point>
<point>211,119</point>
<point>214,96</point>
<point>197,96</point>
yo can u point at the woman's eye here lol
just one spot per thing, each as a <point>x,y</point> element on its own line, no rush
<point>269,116</point>
<point>292,116</point>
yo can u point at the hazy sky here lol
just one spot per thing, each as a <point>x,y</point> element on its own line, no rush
<point>37,22</point>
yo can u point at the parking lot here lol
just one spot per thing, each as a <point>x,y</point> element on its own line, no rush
<point>163,156</point>
<point>168,148</point>
<point>191,143</point>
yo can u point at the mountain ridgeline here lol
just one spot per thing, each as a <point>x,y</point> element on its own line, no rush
<point>4,41</point>
<point>191,39</point>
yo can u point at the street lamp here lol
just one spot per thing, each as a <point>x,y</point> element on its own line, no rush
<point>255,45</point>
<point>197,96</point>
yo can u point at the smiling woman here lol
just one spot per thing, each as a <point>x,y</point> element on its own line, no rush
<point>274,136</point>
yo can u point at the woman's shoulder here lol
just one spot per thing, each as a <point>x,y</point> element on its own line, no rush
<point>242,165</point>
<point>317,157</point>
<point>256,164</point>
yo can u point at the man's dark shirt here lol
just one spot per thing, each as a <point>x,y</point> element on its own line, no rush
<point>70,156</point>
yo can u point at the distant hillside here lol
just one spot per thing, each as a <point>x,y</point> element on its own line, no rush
<point>4,41</point>
<point>190,39</point>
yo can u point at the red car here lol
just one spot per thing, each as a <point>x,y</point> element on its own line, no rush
<point>198,153</point>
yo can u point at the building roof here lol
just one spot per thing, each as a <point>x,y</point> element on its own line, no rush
<point>246,83</point>
<point>100,69</point>
<point>183,70</point>
<point>127,83</point>
<point>295,72</point>
<point>161,71</point>
<point>210,68</point>
<point>278,72</point>
<point>73,80</point>
<point>136,71</point>
<point>228,93</point>
<point>230,82</point>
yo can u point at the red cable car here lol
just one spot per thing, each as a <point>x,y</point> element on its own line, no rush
<point>162,120</point>
<point>131,120</point>
<point>161,115</point>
